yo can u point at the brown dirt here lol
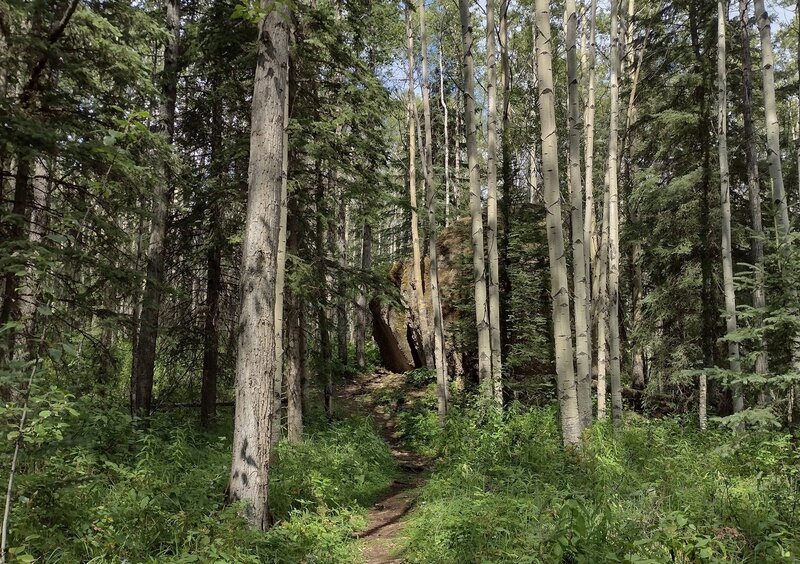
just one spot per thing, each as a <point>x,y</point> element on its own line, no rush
<point>382,539</point>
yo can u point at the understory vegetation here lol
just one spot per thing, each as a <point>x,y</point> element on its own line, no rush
<point>658,490</point>
<point>94,489</point>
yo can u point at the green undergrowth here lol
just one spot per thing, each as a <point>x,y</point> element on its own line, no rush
<point>96,488</point>
<point>504,490</point>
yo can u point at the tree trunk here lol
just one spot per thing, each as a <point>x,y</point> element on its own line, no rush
<point>295,363</point>
<point>446,128</point>
<point>601,284</point>
<point>341,300</point>
<point>256,355</point>
<point>613,224</point>
<point>565,371</point>
<point>439,356</point>
<point>583,376</point>
<point>725,197</point>
<point>280,276</point>
<point>494,390</point>
<point>323,325</point>
<point>144,357</point>
<point>361,309</point>
<point>478,266</point>
<point>753,188</point>
<point>421,319</point>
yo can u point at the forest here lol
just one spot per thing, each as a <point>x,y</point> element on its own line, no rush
<point>376,281</point>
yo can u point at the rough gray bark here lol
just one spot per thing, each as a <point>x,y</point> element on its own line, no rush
<point>583,375</point>
<point>256,358</point>
<point>144,357</point>
<point>601,284</point>
<point>295,354</point>
<point>478,266</point>
<point>439,357</point>
<point>725,195</point>
<point>565,371</point>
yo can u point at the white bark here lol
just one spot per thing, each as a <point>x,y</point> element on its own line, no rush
<point>565,371</point>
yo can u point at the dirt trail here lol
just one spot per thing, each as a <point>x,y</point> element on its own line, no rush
<point>382,539</point>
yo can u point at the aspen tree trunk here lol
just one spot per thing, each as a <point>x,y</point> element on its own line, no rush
<point>433,239</point>
<point>256,355</point>
<point>753,185</point>
<point>457,161</point>
<point>588,59</point>
<point>280,276</point>
<point>725,197</point>
<point>144,357</point>
<point>583,376</point>
<point>601,283</point>
<point>533,165</point>
<point>417,287</point>
<point>361,310</point>
<point>613,223</point>
<point>565,371</point>
<point>446,126</point>
<point>772,124</point>
<point>478,266</point>
<point>494,389</point>
<point>506,323</point>
<point>774,145</point>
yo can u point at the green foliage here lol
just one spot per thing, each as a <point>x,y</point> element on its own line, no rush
<point>91,486</point>
<point>656,491</point>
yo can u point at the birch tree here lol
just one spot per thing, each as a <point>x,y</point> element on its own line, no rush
<point>256,354</point>
<point>433,239</point>
<point>583,376</point>
<point>565,371</point>
<point>495,388</point>
<point>478,266</point>
<point>725,196</point>
<point>613,222</point>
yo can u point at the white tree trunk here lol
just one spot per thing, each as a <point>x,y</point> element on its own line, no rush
<point>583,375</point>
<point>565,371</point>
<point>478,266</point>
<point>495,389</point>
<point>725,194</point>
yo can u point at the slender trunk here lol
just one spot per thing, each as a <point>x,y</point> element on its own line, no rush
<point>478,266</point>
<point>774,149</point>
<point>144,357</point>
<point>361,309</point>
<point>565,371</point>
<point>417,288</point>
<point>725,196</point>
<point>323,325</point>
<point>583,376</point>
<point>753,188</point>
<point>295,366</point>
<point>433,238</point>
<point>601,284</point>
<point>494,389</point>
<point>280,277</point>
<point>589,218</point>
<point>256,354</point>
<point>208,391</point>
<point>508,182</point>
<point>613,224</point>
<point>446,128</point>
<point>341,300</point>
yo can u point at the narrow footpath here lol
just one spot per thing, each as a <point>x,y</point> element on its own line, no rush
<point>382,539</point>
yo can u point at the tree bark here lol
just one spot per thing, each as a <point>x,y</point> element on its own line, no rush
<point>440,359</point>
<point>753,187</point>
<point>494,391</point>
<point>565,371</point>
<point>478,265</point>
<point>361,310</point>
<point>725,197</point>
<point>256,355</point>
<point>613,223</point>
<point>295,364</point>
<point>583,376</point>
<point>601,284</point>
<point>421,319</point>
<point>144,357</point>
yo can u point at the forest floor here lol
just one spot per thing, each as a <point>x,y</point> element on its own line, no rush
<point>382,540</point>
